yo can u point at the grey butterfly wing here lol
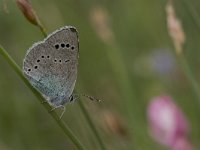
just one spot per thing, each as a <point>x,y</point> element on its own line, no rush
<point>51,65</point>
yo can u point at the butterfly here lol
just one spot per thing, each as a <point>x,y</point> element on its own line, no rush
<point>51,66</point>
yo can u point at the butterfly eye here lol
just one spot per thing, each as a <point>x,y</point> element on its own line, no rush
<point>71,98</point>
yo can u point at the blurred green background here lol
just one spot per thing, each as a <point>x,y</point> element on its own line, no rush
<point>134,62</point>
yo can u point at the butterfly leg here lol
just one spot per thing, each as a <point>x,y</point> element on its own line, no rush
<point>62,112</point>
<point>57,108</point>
<point>46,99</point>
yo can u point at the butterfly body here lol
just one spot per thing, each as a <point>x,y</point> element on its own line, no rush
<point>51,65</point>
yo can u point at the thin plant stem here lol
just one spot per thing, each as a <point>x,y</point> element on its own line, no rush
<point>127,89</point>
<point>42,29</point>
<point>189,76</point>
<point>196,18</point>
<point>86,114</point>
<point>92,126</point>
<point>53,114</point>
<point>178,38</point>
<point>194,15</point>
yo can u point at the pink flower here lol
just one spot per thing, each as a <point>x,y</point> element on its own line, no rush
<point>182,143</point>
<point>167,122</point>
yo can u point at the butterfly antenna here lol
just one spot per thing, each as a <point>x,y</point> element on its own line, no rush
<point>91,97</point>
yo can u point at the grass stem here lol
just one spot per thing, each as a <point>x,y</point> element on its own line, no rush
<point>92,126</point>
<point>53,114</point>
<point>190,76</point>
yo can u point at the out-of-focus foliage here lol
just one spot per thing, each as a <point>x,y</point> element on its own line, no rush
<point>132,61</point>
